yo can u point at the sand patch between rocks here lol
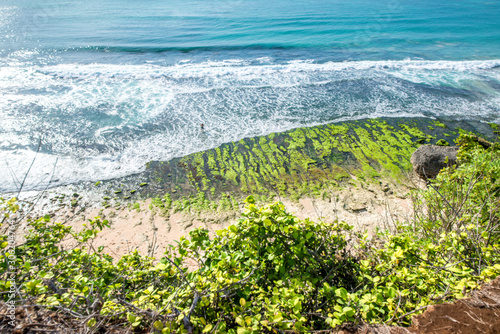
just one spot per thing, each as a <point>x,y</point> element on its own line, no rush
<point>366,207</point>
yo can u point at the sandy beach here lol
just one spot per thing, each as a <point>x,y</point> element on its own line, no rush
<point>145,229</point>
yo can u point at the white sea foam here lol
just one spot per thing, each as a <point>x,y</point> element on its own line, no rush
<point>240,67</point>
<point>107,120</point>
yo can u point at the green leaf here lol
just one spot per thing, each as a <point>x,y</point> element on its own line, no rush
<point>391,292</point>
<point>161,266</point>
<point>243,330</point>
<point>91,323</point>
<point>405,292</point>
<point>335,322</point>
<point>158,325</point>
<point>242,302</point>
<point>349,311</point>
<point>131,318</point>
<point>278,318</point>
<point>342,293</point>
<point>208,328</point>
<point>240,321</point>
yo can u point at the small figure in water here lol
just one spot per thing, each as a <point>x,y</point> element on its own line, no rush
<point>202,135</point>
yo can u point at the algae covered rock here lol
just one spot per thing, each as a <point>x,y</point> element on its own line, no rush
<point>442,142</point>
<point>358,201</point>
<point>428,160</point>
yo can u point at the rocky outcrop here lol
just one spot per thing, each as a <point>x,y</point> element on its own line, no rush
<point>428,160</point>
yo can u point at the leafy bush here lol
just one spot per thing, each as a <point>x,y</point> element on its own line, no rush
<point>464,199</point>
<point>270,270</point>
<point>406,274</point>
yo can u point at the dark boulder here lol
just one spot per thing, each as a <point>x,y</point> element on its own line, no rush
<point>428,160</point>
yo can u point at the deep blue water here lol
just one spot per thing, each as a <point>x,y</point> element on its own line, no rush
<point>111,84</point>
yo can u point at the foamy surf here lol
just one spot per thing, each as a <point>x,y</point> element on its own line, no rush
<point>242,68</point>
<point>106,120</point>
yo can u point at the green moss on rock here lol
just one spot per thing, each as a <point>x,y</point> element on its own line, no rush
<point>298,162</point>
<point>442,142</point>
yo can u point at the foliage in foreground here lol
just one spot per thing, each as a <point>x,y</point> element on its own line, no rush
<point>272,272</point>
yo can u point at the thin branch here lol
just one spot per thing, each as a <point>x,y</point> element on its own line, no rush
<point>32,162</point>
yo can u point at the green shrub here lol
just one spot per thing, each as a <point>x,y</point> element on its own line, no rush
<point>464,197</point>
<point>267,271</point>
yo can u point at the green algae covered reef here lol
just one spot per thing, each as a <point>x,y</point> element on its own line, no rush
<point>304,161</point>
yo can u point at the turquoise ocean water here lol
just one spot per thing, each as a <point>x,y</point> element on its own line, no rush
<point>108,85</point>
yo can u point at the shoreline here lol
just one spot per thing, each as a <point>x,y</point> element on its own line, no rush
<point>147,211</point>
<point>484,128</point>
